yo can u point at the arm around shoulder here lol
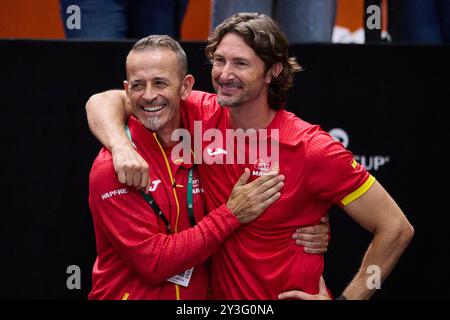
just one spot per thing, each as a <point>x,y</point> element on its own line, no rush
<point>107,113</point>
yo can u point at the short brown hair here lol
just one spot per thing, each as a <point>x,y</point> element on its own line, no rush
<point>164,41</point>
<point>264,36</point>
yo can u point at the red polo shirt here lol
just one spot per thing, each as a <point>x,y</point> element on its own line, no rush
<point>260,260</point>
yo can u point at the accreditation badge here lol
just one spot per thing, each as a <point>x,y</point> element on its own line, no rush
<point>183,278</point>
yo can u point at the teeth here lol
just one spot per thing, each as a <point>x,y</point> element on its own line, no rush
<point>228,86</point>
<point>153,109</point>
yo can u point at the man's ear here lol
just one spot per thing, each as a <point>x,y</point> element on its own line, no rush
<point>125,86</point>
<point>186,86</point>
<point>274,72</point>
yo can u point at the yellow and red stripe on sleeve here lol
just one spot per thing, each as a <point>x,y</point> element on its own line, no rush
<point>358,192</point>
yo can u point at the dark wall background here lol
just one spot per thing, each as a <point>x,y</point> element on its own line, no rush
<point>390,100</point>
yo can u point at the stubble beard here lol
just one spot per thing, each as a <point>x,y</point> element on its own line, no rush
<point>152,123</point>
<point>233,102</point>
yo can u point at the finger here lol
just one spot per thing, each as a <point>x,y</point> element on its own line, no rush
<point>258,190</point>
<point>264,195</point>
<point>305,230</point>
<point>145,180</point>
<point>122,177</point>
<point>310,244</point>
<point>314,251</point>
<point>325,219</point>
<point>316,229</point>
<point>321,238</point>
<point>243,178</point>
<point>265,204</point>
<point>270,183</point>
<point>129,178</point>
<point>136,179</point>
<point>266,181</point>
<point>295,294</point>
<point>273,173</point>
<point>261,180</point>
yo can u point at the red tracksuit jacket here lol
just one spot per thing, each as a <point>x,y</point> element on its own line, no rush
<point>135,255</point>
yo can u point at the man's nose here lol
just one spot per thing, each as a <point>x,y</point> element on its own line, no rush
<point>227,73</point>
<point>149,93</point>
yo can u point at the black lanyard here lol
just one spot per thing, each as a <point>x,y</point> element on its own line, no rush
<point>157,210</point>
<point>190,203</point>
<point>154,205</point>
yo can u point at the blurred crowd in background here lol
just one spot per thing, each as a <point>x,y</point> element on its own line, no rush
<point>303,21</point>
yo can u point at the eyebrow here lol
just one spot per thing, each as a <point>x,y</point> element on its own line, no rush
<point>161,79</point>
<point>134,81</point>
<point>218,55</point>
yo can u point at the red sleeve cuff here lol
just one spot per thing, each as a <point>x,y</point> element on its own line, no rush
<point>230,219</point>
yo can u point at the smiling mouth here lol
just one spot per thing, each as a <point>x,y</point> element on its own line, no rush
<point>153,108</point>
<point>230,88</point>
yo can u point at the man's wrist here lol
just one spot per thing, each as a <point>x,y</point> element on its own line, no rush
<point>120,145</point>
<point>341,297</point>
<point>229,207</point>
